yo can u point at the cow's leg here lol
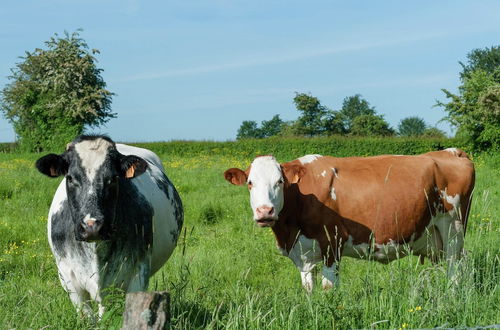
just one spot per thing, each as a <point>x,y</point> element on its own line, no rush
<point>140,281</point>
<point>452,237</point>
<point>330,276</point>
<point>306,275</point>
<point>78,295</point>
<point>454,249</point>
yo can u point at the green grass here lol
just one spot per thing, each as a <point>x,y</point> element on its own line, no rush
<point>227,273</point>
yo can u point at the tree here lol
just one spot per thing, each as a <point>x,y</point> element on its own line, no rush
<point>310,122</point>
<point>371,125</point>
<point>411,126</point>
<point>433,132</point>
<point>334,123</point>
<point>487,60</point>
<point>55,93</point>
<point>271,127</point>
<point>352,107</point>
<point>248,130</point>
<point>475,110</point>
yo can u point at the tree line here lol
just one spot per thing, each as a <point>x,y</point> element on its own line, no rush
<point>57,93</point>
<point>356,118</point>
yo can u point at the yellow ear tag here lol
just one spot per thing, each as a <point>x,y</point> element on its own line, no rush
<point>130,172</point>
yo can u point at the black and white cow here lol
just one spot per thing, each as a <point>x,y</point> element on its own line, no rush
<point>114,220</point>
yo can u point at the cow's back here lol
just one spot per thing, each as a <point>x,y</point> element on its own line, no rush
<point>166,203</point>
<point>390,197</point>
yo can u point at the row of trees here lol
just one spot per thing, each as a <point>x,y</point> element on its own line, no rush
<point>356,118</point>
<point>56,93</point>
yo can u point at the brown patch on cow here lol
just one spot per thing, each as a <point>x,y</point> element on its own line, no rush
<point>236,176</point>
<point>293,172</point>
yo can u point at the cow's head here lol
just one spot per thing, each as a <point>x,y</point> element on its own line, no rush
<point>266,180</point>
<point>94,171</point>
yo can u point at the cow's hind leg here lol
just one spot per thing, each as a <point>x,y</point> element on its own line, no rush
<point>452,235</point>
<point>330,276</point>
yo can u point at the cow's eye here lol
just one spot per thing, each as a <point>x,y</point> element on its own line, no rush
<point>280,182</point>
<point>71,181</point>
<point>249,183</point>
<point>112,180</point>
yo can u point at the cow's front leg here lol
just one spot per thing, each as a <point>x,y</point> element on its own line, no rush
<point>140,281</point>
<point>330,276</point>
<point>306,275</point>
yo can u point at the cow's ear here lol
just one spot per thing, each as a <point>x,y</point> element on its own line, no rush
<point>293,172</point>
<point>132,166</point>
<point>235,176</point>
<point>52,165</point>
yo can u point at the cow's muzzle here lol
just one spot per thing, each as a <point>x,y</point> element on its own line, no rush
<point>89,230</point>
<point>265,216</point>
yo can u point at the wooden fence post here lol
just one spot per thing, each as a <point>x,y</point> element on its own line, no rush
<point>147,311</point>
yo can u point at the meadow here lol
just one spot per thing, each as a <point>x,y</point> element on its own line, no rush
<point>227,273</point>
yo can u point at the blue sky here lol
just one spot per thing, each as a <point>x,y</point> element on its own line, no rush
<point>194,70</point>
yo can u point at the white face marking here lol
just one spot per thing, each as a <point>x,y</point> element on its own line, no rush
<point>266,182</point>
<point>332,193</point>
<point>323,174</point>
<point>308,158</point>
<point>93,154</point>
<point>335,172</point>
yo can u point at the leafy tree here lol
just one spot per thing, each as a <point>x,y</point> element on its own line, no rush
<point>310,122</point>
<point>433,132</point>
<point>55,93</point>
<point>271,127</point>
<point>487,60</point>
<point>371,125</point>
<point>475,110</point>
<point>411,126</point>
<point>334,123</point>
<point>248,130</point>
<point>353,107</point>
<point>289,129</point>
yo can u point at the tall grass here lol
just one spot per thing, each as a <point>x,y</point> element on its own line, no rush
<point>227,273</point>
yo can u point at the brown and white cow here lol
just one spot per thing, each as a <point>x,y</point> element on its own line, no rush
<point>381,208</point>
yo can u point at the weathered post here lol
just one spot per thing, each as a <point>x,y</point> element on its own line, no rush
<point>147,311</point>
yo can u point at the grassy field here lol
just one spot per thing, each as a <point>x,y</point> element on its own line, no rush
<point>227,273</point>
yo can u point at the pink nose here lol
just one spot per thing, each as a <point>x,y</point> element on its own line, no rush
<point>264,212</point>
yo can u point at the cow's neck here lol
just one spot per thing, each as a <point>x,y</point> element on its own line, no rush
<point>287,228</point>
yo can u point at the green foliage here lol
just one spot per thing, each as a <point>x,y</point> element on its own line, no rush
<point>271,127</point>
<point>286,149</point>
<point>227,274</point>
<point>487,60</point>
<point>310,122</point>
<point>434,132</point>
<point>55,93</point>
<point>475,110</point>
<point>248,130</point>
<point>356,117</point>
<point>353,107</point>
<point>412,126</point>
<point>370,125</point>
